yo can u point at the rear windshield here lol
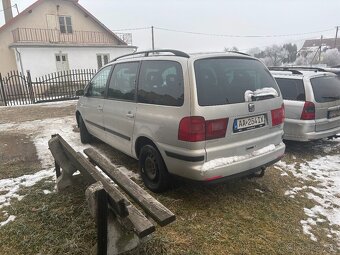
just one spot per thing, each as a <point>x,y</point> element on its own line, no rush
<point>292,89</point>
<point>222,81</point>
<point>326,88</point>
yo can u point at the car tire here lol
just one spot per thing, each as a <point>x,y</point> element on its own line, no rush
<point>85,136</point>
<point>153,170</point>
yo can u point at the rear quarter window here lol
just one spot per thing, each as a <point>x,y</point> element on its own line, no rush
<point>161,83</point>
<point>221,81</point>
<point>292,89</point>
<point>326,88</point>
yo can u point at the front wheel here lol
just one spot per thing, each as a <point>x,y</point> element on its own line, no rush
<point>85,136</point>
<point>153,170</point>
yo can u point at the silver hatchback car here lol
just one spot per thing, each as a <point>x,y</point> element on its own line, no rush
<point>205,117</point>
<point>312,103</point>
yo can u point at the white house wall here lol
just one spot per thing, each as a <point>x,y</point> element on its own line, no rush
<point>42,61</point>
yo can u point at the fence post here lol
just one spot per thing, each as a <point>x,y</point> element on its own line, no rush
<point>2,91</point>
<point>30,87</point>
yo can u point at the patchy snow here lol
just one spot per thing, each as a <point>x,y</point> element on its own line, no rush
<point>258,190</point>
<point>259,93</point>
<point>56,104</point>
<point>11,186</point>
<point>40,132</point>
<point>223,162</point>
<point>45,191</point>
<point>324,174</point>
<point>9,219</point>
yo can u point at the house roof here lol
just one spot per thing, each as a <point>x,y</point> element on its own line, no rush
<point>75,2</point>
<point>325,42</point>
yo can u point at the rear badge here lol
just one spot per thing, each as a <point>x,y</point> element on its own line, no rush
<point>251,107</point>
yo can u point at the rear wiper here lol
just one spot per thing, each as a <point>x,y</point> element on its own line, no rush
<point>261,97</point>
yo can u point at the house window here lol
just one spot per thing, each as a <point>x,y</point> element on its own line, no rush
<point>102,60</point>
<point>65,24</point>
<point>62,62</point>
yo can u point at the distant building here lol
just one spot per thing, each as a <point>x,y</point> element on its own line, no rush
<point>313,45</point>
<point>57,35</point>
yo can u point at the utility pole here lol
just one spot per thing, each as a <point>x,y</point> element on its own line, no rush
<point>336,36</point>
<point>320,48</point>
<point>153,39</point>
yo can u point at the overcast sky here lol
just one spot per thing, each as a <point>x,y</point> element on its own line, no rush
<point>233,17</point>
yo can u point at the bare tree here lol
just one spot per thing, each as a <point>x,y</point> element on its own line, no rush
<point>275,54</point>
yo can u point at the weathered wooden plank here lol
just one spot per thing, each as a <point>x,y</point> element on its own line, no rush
<point>128,214</point>
<point>137,222</point>
<point>71,154</point>
<point>155,209</point>
<point>120,202</point>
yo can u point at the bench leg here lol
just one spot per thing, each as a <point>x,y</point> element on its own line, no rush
<point>112,238</point>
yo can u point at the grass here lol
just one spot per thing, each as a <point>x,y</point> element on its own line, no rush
<point>57,223</point>
<point>230,218</point>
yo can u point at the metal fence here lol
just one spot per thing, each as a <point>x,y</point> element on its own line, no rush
<point>17,88</point>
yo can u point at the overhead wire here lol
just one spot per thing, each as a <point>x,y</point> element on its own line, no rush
<point>242,36</point>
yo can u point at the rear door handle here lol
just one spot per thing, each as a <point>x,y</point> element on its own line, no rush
<point>130,115</point>
<point>100,108</point>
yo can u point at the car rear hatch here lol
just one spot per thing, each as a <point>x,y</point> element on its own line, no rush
<point>326,90</point>
<point>241,104</point>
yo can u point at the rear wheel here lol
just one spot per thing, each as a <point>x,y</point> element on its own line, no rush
<point>153,170</point>
<point>85,136</point>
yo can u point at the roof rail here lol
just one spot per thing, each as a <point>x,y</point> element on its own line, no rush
<point>146,53</point>
<point>284,68</point>
<point>311,68</point>
<point>238,52</point>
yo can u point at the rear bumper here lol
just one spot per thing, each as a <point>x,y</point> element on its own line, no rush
<point>244,165</point>
<point>304,131</point>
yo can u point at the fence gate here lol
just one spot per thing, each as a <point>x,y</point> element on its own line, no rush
<point>14,89</point>
<point>20,89</point>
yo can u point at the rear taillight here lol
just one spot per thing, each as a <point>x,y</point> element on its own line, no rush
<point>308,112</point>
<point>215,128</point>
<point>192,129</point>
<point>195,129</point>
<point>278,116</point>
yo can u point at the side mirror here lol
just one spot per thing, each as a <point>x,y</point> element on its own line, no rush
<point>80,93</point>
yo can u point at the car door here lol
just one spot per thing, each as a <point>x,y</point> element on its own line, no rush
<point>93,101</point>
<point>120,106</point>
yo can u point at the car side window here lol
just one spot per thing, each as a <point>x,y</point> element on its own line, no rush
<point>292,89</point>
<point>98,83</point>
<point>161,82</point>
<point>123,81</point>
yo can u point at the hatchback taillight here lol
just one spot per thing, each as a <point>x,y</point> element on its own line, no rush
<point>215,128</point>
<point>278,116</point>
<point>308,112</point>
<point>196,128</point>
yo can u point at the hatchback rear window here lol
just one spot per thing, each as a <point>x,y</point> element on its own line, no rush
<point>326,88</point>
<point>222,81</point>
<point>292,89</point>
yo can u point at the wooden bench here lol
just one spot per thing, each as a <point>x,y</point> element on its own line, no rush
<point>121,226</point>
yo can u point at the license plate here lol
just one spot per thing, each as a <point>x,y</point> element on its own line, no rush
<point>249,123</point>
<point>333,114</point>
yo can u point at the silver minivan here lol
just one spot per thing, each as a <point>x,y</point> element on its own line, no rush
<point>312,103</point>
<point>205,117</point>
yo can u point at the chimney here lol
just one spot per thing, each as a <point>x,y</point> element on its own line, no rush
<point>7,6</point>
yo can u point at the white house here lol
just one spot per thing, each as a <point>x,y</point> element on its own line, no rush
<point>56,35</point>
